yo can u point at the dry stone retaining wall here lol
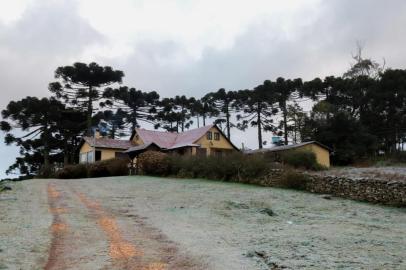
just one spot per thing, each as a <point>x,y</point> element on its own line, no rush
<point>390,192</point>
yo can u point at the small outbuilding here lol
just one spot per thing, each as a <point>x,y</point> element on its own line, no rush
<point>321,151</point>
<point>98,148</point>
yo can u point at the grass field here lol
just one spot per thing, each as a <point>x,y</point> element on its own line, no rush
<point>203,224</point>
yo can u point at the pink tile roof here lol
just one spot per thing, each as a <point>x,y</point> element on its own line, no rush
<point>170,140</point>
<point>109,143</point>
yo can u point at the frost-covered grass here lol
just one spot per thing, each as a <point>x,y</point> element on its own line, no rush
<point>227,223</point>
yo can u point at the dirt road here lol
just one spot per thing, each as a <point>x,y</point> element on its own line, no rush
<point>85,235</point>
<point>152,223</point>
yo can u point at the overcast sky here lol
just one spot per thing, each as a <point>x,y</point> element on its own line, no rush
<point>190,46</point>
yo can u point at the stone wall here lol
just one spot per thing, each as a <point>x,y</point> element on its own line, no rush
<point>381,191</point>
<point>390,192</point>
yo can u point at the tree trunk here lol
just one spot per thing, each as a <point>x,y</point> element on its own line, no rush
<point>285,124</point>
<point>228,122</point>
<point>259,126</point>
<point>135,122</point>
<point>89,113</point>
<point>45,152</point>
<point>204,119</point>
<point>65,153</point>
<point>73,156</point>
<point>113,132</point>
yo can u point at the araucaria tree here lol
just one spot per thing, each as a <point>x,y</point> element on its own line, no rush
<point>258,108</point>
<point>224,102</point>
<point>37,119</point>
<point>80,86</point>
<point>296,119</point>
<point>174,113</point>
<point>138,106</point>
<point>284,90</point>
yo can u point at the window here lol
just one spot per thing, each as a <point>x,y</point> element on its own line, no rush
<point>120,155</point>
<point>90,157</point>
<point>216,136</point>
<point>98,155</point>
<point>83,157</point>
<point>209,135</point>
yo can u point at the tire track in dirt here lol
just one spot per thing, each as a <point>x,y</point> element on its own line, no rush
<point>76,242</point>
<point>152,251</point>
<point>125,254</point>
<point>119,241</point>
<point>59,229</point>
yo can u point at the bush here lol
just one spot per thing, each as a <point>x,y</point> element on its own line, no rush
<point>154,163</point>
<point>292,179</point>
<point>98,169</point>
<point>301,159</point>
<point>46,172</point>
<point>117,166</point>
<point>233,167</point>
<point>72,172</point>
<point>105,168</point>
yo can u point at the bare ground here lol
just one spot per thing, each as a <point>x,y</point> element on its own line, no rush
<point>155,223</point>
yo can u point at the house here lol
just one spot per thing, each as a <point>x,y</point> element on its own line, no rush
<point>321,151</point>
<point>98,148</point>
<point>206,141</point>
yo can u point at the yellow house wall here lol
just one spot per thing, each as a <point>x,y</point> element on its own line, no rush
<point>322,154</point>
<point>85,148</point>
<point>207,144</point>
<point>210,144</point>
<point>106,153</point>
<point>137,141</point>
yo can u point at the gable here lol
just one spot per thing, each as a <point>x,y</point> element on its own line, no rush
<point>85,148</point>
<point>223,142</point>
<point>136,139</point>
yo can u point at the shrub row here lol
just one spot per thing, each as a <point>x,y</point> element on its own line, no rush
<point>301,160</point>
<point>105,168</point>
<point>292,179</point>
<point>236,167</point>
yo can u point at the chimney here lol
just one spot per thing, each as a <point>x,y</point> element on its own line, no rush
<point>97,134</point>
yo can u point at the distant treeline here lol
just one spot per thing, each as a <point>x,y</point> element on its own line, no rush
<point>360,114</point>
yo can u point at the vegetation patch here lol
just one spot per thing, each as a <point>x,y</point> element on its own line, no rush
<point>106,168</point>
<point>4,187</point>
<point>154,163</point>
<point>235,167</point>
<point>72,172</point>
<point>293,180</point>
<point>301,159</point>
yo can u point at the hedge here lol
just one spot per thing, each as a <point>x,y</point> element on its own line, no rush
<point>105,168</point>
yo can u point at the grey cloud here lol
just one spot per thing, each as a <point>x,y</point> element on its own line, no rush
<point>262,52</point>
<point>49,34</point>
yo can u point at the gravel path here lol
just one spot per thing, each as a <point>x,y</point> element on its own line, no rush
<point>155,223</point>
